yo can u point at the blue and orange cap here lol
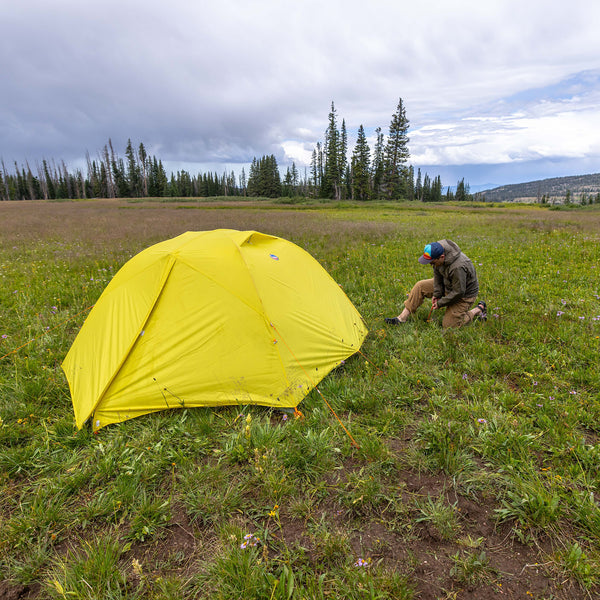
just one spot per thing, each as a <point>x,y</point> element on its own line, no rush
<point>431,252</point>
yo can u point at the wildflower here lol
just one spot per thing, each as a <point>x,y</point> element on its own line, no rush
<point>53,309</point>
<point>464,375</point>
<point>361,562</point>
<point>535,383</point>
<point>540,405</point>
<point>559,313</point>
<point>563,302</point>
<point>482,421</point>
<point>275,511</point>
<point>284,418</point>
<point>581,318</point>
<point>250,540</point>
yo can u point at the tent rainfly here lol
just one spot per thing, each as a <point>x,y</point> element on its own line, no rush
<point>210,318</point>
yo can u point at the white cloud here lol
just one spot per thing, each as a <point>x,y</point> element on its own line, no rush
<point>298,152</point>
<point>541,130</point>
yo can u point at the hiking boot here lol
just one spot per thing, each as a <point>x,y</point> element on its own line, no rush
<point>394,321</point>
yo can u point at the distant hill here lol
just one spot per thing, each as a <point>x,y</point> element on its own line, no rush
<point>555,190</point>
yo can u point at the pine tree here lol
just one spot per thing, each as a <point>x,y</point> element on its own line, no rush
<point>49,181</point>
<point>242,180</point>
<point>419,186</point>
<point>377,175</point>
<point>287,187</point>
<point>343,171</point>
<point>410,183</point>
<point>427,188</point>
<point>264,179</point>
<point>436,189</point>
<point>396,155</point>
<point>143,169</point>
<point>133,173</point>
<point>316,170</point>
<point>462,191</point>
<point>273,178</point>
<point>331,183</point>
<point>360,169</point>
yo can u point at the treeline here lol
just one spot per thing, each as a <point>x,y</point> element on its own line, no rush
<point>139,175</point>
<point>383,174</point>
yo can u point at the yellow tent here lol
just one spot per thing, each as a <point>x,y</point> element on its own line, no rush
<point>210,318</point>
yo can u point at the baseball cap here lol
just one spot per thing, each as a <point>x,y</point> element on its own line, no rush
<point>431,252</point>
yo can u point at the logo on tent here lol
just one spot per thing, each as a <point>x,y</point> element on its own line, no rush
<point>274,256</point>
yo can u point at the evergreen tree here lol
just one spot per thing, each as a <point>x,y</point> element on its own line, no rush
<point>436,189</point>
<point>273,178</point>
<point>5,182</point>
<point>264,179</point>
<point>378,158</point>
<point>360,169</point>
<point>120,178</point>
<point>287,188</point>
<point>419,186</point>
<point>133,172</point>
<point>316,169</point>
<point>410,183</point>
<point>49,181</point>
<point>331,183</point>
<point>343,171</point>
<point>242,180</point>
<point>144,166</point>
<point>396,155</point>
<point>427,188</point>
<point>462,191</point>
<point>253,178</point>
<point>109,159</point>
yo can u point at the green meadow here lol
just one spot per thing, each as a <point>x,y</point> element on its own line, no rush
<point>477,468</point>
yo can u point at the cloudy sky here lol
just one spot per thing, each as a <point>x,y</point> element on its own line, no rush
<point>496,91</point>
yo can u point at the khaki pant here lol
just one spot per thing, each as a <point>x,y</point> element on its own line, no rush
<point>456,314</point>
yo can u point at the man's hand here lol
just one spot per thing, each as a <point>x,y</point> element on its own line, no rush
<point>434,302</point>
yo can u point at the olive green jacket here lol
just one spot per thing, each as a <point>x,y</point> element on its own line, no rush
<point>455,278</point>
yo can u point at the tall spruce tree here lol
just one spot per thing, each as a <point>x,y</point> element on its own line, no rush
<point>377,172</point>
<point>396,155</point>
<point>436,189</point>
<point>264,179</point>
<point>343,170</point>
<point>419,187</point>
<point>331,183</point>
<point>133,172</point>
<point>360,169</point>
<point>462,191</point>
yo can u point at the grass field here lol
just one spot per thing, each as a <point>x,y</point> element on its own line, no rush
<point>477,474</point>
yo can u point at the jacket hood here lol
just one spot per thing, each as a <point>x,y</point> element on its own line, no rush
<point>451,250</point>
